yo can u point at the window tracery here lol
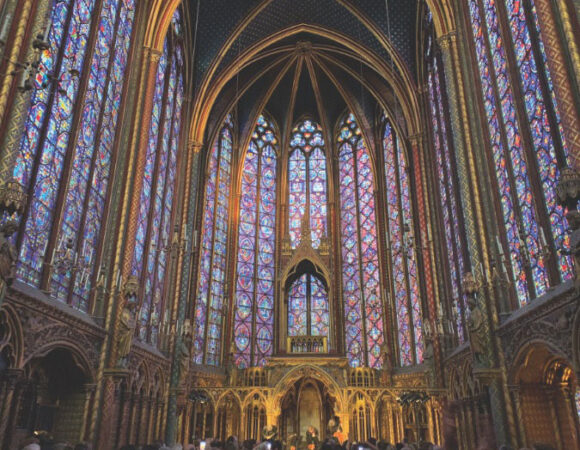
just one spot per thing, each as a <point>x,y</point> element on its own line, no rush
<point>53,163</point>
<point>308,307</point>
<point>447,180</point>
<point>405,283</point>
<point>307,182</point>
<point>211,286</point>
<point>254,316</point>
<point>363,311</point>
<point>154,220</point>
<point>527,144</point>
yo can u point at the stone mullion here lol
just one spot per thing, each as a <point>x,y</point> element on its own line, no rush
<point>422,211</point>
<point>438,249</point>
<point>399,145</point>
<point>563,87</point>
<point>335,241</point>
<point>452,194</point>
<point>388,287</point>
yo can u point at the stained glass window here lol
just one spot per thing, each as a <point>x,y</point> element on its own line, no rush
<point>308,307</point>
<point>254,315</point>
<point>447,184</point>
<point>307,182</point>
<point>211,287</point>
<point>405,284</point>
<point>363,309</point>
<point>523,147</point>
<point>154,220</point>
<point>53,161</point>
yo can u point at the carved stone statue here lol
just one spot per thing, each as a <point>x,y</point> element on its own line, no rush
<point>386,355</point>
<point>8,257</point>
<point>126,330</point>
<point>477,332</point>
<point>183,352</point>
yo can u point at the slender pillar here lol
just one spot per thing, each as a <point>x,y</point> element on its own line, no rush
<point>12,377</point>
<point>89,392</point>
<point>191,186</point>
<point>16,38</point>
<point>515,395</point>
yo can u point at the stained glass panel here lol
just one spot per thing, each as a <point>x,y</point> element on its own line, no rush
<point>308,307</point>
<point>54,119</point>
<point>210,301</point>
<point>514,140</point>
<point>307,182</point>
<point>361,273</point>
<point>254,315</point>
<point>541,132</point>
<point>447,193</point>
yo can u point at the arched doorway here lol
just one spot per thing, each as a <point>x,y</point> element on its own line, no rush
<point>307,402</point>
<point>228,419</point>
<point>544,393</point>
<point>54,397</point>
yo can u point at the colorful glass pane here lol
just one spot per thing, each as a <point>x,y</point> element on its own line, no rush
<point>361,273</point>
<point>93,151</point>
<point>447,193</point>
<point>297,307</point>
<point>52,115</point>
<point>254,315</point>
<point>308,182</point>
<point>308,307</point>
<point>510,197</point>
<point>541,132</point>
<point>396,240</point>
<point>210,302</point>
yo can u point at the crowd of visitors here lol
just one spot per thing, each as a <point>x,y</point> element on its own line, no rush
<point>335,440</point>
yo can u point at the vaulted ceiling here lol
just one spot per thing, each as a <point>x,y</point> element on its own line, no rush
<point>303,57</point>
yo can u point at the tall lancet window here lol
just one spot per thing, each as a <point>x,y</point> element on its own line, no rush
<point>404,282</point>
<point>67,173</point>
<point>447,178</point>
<point>153,237</point>
<point>254,314</point>
<point>211,287</point>
<point>307,182</point>
<point>527,146</point>
<point>360,260</point>
<point>308,307</point>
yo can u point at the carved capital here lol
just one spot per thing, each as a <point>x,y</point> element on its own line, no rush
<point>416,139</point>
<point>446,40</point>
<point>194,146</point>
<point>154,54</point>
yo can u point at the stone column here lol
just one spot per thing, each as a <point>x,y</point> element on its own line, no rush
<point>12,378</point>
<point>112,381</point>
<point>89,392</point>
<point>549,395</point>
<point>177,378</point>
<point>569,413</point>
<point>14,118</point>
<point>515,395</point>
